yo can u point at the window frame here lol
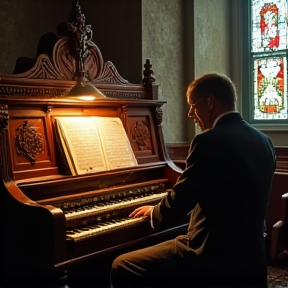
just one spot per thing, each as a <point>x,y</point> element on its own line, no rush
<point>247,77</point>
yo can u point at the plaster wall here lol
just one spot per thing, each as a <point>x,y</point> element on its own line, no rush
<point>23,22</point>
<point>212,36</point>
<point>184,39</point>
<point>163,42</point>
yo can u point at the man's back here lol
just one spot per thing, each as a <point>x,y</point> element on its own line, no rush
<point>240,163</point>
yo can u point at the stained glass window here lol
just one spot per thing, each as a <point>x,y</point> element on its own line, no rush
<point>270,88</point>
<point>269,45</point>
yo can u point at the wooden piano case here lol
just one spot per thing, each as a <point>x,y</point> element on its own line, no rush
<point>35,187</point>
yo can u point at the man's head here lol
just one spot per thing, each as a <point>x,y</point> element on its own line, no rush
<point>209,96</point>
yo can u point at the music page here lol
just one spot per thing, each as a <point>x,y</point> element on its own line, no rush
<point>116,145</point>
<point>82,144</point>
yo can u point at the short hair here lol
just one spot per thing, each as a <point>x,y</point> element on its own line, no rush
<point>216,84</point>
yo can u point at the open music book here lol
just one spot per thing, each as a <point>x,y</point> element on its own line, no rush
<point>94,144</point>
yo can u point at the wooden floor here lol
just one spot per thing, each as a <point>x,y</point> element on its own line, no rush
<point>277,277</point>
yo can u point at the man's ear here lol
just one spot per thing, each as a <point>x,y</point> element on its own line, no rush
<point>210,102</point>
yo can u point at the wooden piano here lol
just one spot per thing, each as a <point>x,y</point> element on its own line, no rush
<point>50,220</point>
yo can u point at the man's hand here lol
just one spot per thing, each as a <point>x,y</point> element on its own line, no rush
<point>142,211</point>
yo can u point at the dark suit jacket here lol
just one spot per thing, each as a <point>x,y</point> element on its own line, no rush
<point>225,188</point>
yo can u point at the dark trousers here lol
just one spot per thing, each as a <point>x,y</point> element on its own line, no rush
<point>161,265</point>
<point>174,264</point>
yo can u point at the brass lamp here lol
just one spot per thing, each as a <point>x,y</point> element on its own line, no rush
<point>84,91</point>
<point>81,34</point>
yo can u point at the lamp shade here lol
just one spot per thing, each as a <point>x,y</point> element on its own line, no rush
<point>83,90</point>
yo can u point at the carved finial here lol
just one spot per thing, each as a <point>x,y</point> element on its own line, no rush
<point>148,78</point>
<point>81,34</point>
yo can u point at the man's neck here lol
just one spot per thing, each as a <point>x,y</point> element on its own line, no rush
<point>221,115</point>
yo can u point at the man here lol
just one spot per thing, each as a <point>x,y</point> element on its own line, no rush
<point>225,188</point>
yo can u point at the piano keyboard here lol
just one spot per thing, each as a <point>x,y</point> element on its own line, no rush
<point>79,234</point>
<point>104,207</point>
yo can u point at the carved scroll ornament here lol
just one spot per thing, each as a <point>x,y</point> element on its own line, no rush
<point>28,142</point>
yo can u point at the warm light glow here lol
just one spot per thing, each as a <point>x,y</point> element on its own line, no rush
<point>87,98</point>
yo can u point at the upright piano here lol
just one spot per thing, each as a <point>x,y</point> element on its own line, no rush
<point>51,220</point>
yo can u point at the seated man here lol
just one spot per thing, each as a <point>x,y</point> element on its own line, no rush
<point>225,188</point>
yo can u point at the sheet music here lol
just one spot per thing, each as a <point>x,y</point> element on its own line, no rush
<point>118,151</point>
<point>83,143</point>
<point>94,144</point>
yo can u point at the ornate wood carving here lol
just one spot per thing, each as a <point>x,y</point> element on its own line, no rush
<point>28,142</point>
<point>124,115</point>
<point>159,115</point>
<point>4,117</point>
<point>110,75</point>
<point>141,135</point>
<point>124,94</point>
<point>30,90</point>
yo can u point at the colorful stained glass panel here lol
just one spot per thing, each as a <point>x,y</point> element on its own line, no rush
<point>269,25</point>
<point>270,88</point>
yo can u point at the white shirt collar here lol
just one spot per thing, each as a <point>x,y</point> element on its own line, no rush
<point>221,115</point>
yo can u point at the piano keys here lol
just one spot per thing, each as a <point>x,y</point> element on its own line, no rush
<point>101,212</point>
